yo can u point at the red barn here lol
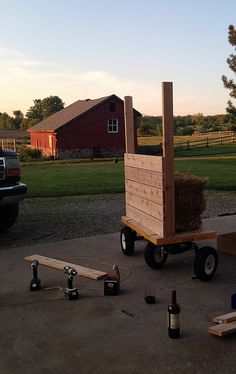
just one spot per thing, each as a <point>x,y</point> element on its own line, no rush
<point>86,128</point>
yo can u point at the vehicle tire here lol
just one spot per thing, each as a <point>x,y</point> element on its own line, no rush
<point>127,237</point>
<point>8,216</point>
<point>155,256</point>
<point>205,263</point>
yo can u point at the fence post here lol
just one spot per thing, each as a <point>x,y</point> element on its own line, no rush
<point>188,147</point>
<point>207,142</point>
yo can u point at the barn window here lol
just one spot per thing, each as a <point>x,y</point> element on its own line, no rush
<point>112,106</point>
<point>112,125</point>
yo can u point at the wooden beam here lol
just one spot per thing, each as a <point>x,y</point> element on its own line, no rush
<point>129,124</point>
<point>57,264</point>
<point>168,157</point>
<point>225,318</point>
<point>223,329</point>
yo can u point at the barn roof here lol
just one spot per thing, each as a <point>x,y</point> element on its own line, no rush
<point>69,113</point>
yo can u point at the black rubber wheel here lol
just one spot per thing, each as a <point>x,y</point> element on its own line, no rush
<point>155,256</point>
<point>127,238</point>
<point>8,216</point>
<point>205,263</point>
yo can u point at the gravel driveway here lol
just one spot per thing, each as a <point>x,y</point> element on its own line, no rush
<point>53,219</point>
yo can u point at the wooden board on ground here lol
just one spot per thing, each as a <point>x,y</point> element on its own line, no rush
<point>157,239</point>
<point>223,329</point>
<point>227,243</point>
<point>58,264</point>
<point>225,318</point>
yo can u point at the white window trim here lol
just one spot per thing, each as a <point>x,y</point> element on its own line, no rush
<point>113,124</point>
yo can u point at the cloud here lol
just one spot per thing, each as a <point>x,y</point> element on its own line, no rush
<point>23,80</point>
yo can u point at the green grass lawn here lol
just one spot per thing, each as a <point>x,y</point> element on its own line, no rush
<point>52,180</point>
<point>220,171</point>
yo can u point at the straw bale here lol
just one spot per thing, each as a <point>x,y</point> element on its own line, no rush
<point>189,201</point>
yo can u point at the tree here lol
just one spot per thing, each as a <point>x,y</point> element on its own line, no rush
<point>17,119</point>
<point>51,104</point>
<point>5,121</point>
<point>229,83</point>
<point>43,109</point>
<point>35,112</point>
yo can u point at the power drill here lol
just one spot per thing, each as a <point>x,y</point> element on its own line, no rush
<point>71,292</point>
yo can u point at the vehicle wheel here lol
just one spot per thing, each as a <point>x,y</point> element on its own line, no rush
<point>155,256</point>
<point>8,216</point>
<point>205,263</point>
<point>127,237</point>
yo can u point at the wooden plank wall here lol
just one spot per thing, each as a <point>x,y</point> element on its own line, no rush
<point>144,191</point>
<point>149,180</point>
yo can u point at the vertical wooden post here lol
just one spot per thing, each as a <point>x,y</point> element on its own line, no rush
<point>129,125</point>
<point>168,158</point>
<point>14,144</point>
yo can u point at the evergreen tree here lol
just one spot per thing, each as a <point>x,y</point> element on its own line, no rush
<point>229,83</point>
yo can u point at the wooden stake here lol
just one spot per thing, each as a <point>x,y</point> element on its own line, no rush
<point>129,125</point>
<point>168,157</point>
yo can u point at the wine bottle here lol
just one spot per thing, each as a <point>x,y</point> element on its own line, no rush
<point>173,318</point>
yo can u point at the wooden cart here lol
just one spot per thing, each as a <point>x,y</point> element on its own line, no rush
<point>150,200</point>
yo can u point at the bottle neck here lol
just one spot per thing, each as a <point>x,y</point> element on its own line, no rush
<point>173,297</point>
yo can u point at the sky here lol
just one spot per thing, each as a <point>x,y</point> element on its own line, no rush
<point>78,49</point>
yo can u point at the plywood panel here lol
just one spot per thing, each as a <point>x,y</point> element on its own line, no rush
<point>144,219</point>
<point>150,178</point>
<point>146,206</point>
<point>142,190</point>
<point>153,163</point>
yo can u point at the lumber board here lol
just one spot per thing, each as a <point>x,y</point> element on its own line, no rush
<point>159,239</point>
<point>227,243</point>
<point>144,219</point>
<point>168,156</point>
<point>147,192</point>
<point>150,178</point>
<point>225,318</point>
<point>129,124</point>
<point>58,264</point>
<point>146,206</point>
<point>140,229</point>
<point>152,163</point>
<point>223,329</point>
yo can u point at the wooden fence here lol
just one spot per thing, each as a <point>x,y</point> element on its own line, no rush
<point>6,143</point>
<point>207,142</point>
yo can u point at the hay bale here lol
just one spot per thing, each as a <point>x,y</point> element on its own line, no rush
<point>189,202</point>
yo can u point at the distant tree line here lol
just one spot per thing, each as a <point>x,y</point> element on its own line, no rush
<point>187,125</point>
<point>36,113</point>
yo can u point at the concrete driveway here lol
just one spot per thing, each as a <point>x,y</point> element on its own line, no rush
<point>42,332</point>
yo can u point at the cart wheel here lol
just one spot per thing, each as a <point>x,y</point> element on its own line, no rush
<point>155,256</point>
<point>205,263</point>
<point>127,237</point>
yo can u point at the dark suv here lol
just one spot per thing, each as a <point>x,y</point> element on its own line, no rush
<point>11,191</point>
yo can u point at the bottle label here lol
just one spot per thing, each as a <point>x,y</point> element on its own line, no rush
<point>174,321</point>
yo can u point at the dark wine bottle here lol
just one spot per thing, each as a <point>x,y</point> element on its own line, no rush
<point>173,318</point>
